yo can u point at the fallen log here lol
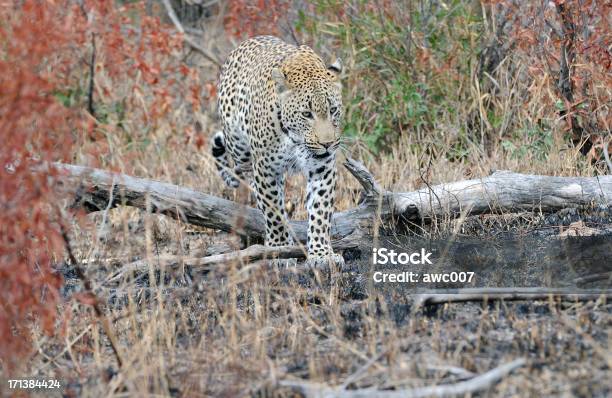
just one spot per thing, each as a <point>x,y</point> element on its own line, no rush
<point>99,190</point>
<point>502,191</point>
<point>507,192</point>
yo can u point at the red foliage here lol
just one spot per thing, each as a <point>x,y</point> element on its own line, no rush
<point>569,40</point>
<point>46,50</point>
<point>34,130</point>
<point>247,18</point>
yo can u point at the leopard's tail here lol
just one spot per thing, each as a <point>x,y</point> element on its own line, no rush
<point>219,152</point>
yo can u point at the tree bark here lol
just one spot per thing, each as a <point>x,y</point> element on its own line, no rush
<point>508,192</point>
<point>503,191</point>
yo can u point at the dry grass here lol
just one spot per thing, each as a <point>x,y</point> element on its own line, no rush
<point>235,332</point>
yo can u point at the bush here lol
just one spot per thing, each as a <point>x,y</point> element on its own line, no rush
<point>65,97</point>
<point>454,76</point>
<point>407,64</point>
<point>34,131</point>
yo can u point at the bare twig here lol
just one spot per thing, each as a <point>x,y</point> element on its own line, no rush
<point>92,74</point>
<point>251,254</point>
<point>566,70</point>
<point>602,276</point>
<point>248,255</point>
<point>210,56</point>
<point>525,293</point>
<point>355,376</point>
<point>95,300</point>
<point>478,383</point>
<point>460,373</point>
<point>607,155</point>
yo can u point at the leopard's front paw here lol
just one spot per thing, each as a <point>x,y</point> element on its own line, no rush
<point>325,261</point>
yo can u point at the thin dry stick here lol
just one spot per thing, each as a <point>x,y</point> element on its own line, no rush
<point>607,155</point>
<point>69,344</point>
<point>210,56</point>
<point>478,383</point>
<point>357,375</point>
<point>525,293</point>
<point>253,253</point>
<point>92,74</point>
<point>249,255</point>
<point>602,276</point>
<point>96,302</point>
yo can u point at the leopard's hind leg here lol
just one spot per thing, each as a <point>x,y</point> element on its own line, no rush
<point>222,158</point>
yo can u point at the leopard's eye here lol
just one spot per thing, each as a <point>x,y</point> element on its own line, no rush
<point>307,114</point>
<point>333,110</point>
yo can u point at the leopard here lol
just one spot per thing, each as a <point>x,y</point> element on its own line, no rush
<point>280,108</point>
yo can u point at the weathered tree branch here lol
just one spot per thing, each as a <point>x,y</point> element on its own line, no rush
<point>478,383</point>
<point>503,191</point>
<point>251,254</point>
<point>508,294</point>
<point>565,84</point>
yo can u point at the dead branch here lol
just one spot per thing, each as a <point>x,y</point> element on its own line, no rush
<point>249,255</point>
<point>525,293</point>
<point>97,190</point>
<point>607,155</point>
<point>503,191</point>
<point>508,192</point>
<point>566,71</point>
<point>365,178</point>
<point>192,43</point>
<point>92,74</point>
<point>96,303</point>
<point>478,383</point>
<point>602,276</point>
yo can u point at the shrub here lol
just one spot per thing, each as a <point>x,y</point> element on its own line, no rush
<point>407,63</point>
<point>34,131</point>
<point>457,75</point>
<point>63,68</point>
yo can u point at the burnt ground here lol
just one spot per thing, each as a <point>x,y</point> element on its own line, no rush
<point>239,328</point>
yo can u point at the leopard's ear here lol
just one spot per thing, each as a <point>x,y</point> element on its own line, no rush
<point>281,82</point>
<point>336,68</point>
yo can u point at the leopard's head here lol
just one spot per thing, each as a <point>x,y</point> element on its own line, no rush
<point>310,97</point>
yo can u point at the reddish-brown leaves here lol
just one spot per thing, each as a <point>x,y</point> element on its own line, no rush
<point>247,18</point>
<point>577,33</point>
<point>34,130</point>
<point>45,54</point>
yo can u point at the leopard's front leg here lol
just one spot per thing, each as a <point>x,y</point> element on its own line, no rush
<point>320,205</point>
<point>270,193</point>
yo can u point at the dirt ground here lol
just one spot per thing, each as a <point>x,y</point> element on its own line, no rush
<point>240,329</point>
